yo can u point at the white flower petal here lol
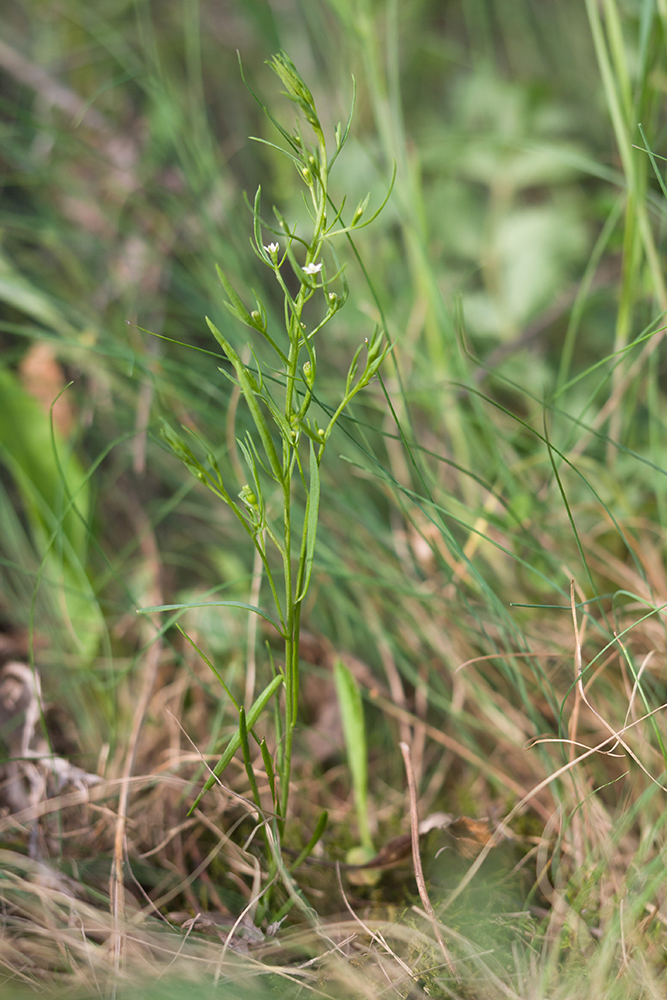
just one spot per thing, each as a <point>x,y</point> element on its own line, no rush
<point>312,268</point>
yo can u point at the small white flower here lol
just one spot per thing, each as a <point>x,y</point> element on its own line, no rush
<point>312,268</point>
<point>272,248</point>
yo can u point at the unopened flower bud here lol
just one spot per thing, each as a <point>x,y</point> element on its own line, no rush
<point>308,373</point>
<point>360,209</point>
<point>248,497</point>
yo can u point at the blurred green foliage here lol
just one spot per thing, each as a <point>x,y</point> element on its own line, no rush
<point>517,444</point>
<point>520,249</point>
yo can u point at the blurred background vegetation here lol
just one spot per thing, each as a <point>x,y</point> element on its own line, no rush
<point>516,442</point>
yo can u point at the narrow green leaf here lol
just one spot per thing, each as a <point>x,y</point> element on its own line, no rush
<point>212,604</point>
<point>319,830</point>
<point>237,306</point>
<point>249,394</point>
<point>277,719</point>
<point>251,461</point>
<point>279,419</point>
<point>285,134</point>
<point>235,742</point>
<point>311,431</point>
<point>354,731</point>
<point>354,364</point>
<point>375,214</point>
<point>360,209</point>
<point>226,346</point>
<point>373,217</point>
<point>257,219</point>
<point>247,759</point>
<point>235,313</point>
<point>294,159</point>
<point>210,665</point>
<point>651,156</point>
<point>269,768</point>
<point>312,516</point>
<point>341,139</point>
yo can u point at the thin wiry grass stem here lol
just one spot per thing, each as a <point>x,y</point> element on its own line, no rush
<point>416,856</point>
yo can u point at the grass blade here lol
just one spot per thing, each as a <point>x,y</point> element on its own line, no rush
<point>235,742</point>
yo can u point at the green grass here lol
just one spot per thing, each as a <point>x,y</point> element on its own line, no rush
<point>490,551</point>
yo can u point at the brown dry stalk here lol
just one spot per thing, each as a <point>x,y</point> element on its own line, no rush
<point>498,834</point>
<point>151,663</point>
<point>416,856</point>
<point>461,751</point>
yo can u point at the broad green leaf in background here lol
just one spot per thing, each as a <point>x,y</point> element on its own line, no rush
<point>19,293</point>
<point>354,731</point>
<point>51,487</point>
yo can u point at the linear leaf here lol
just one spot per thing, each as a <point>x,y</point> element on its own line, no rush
<point>212,604</point>
<point>317,833</point>
<point>354,731</point>
<point>312,515</point>
<point>235,742</point>
<point>247,759</point>
<point>236,303</point>
<point>210,665</point>
<point>249,395</point>
<point>269,768</point>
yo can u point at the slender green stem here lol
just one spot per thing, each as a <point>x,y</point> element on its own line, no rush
<point>271,581</point>
<point>281,461</point>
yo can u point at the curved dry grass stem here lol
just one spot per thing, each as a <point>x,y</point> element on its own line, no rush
<point>151,663</point>
<point>583,696</point>
<point>499,832</point>
<point>416,856</point>
<point>375,935</point>
<point>461,751</point>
